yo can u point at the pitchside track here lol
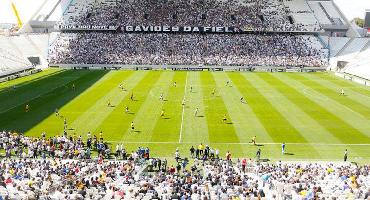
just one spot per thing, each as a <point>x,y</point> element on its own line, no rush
<point>304,110</point>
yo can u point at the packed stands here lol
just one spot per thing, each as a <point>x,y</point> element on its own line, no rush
<point>267,15</point>
<point>263,24</point>
<point>188,49</point>
<point>61,173</point>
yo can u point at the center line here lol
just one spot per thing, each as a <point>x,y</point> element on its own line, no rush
<point>183,108</point>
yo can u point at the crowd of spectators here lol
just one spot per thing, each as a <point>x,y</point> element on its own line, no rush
<point>257,15</point>
<point>140,176</point>
<point>188,49</point>
<point>219,179</point>
<point>257,48</point>
<point>64,147</point>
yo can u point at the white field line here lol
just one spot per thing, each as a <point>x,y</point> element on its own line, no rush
<point>222,143</point>
<point>183,108</point>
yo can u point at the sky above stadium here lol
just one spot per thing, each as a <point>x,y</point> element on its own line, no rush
<point>26,8</point>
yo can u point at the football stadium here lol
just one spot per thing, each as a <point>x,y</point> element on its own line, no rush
<point>178,99</point>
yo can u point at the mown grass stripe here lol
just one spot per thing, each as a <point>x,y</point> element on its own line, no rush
<point>75,111</point>
<point>279,128</point>
<point>359,98</point>
<point>116,124</point>
<point>195,129</point>
<point>308,126</point>
<point>20,82</point>
<point>44,106</point>
<point>334,94</point>
<point>317,106</point>
<point>90,120</point>
<point>218,130</point>
<point>305,124</point>
<point>246,124</point>
<point>240,112</point>
<point>361,89</point>
<point>298,110</point>
<point>148,113</point>
<point>168,127</point>
<point>26,92</point>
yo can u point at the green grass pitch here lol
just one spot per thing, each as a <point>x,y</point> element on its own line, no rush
<point>304,110</point>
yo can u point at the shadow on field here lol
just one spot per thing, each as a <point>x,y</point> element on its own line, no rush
<point>289,154</point>
<point>25,90</point>
<point>11,88</point>
<point>42,106</point>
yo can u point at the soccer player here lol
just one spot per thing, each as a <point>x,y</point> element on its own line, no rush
<point>258,155</point>
<point>161,97</point>
<point>27,108</point>
<point>132,126</point>
<point>132,96</point>
<point>56,112</point>
<point>254,140</point>
<point>65,124</point>
<point>213,91</point>
<point>283,148</point>
<point>196,112</point>
<point>192,150</point>
<point>127,109</point>
<point>162,113</point>
<point>183,102</point>
<point>242,100</point>
<point>73,87</point>
<point>121,87</point>
<point>342,92</point>
<point>345,155</point>
<point>109,104</point>
<point>191,89</point>
<point>227,83</point>
<point>228,156</point>
<point>224,119</point>
<point>101,135</point>
<point>174,84</point>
